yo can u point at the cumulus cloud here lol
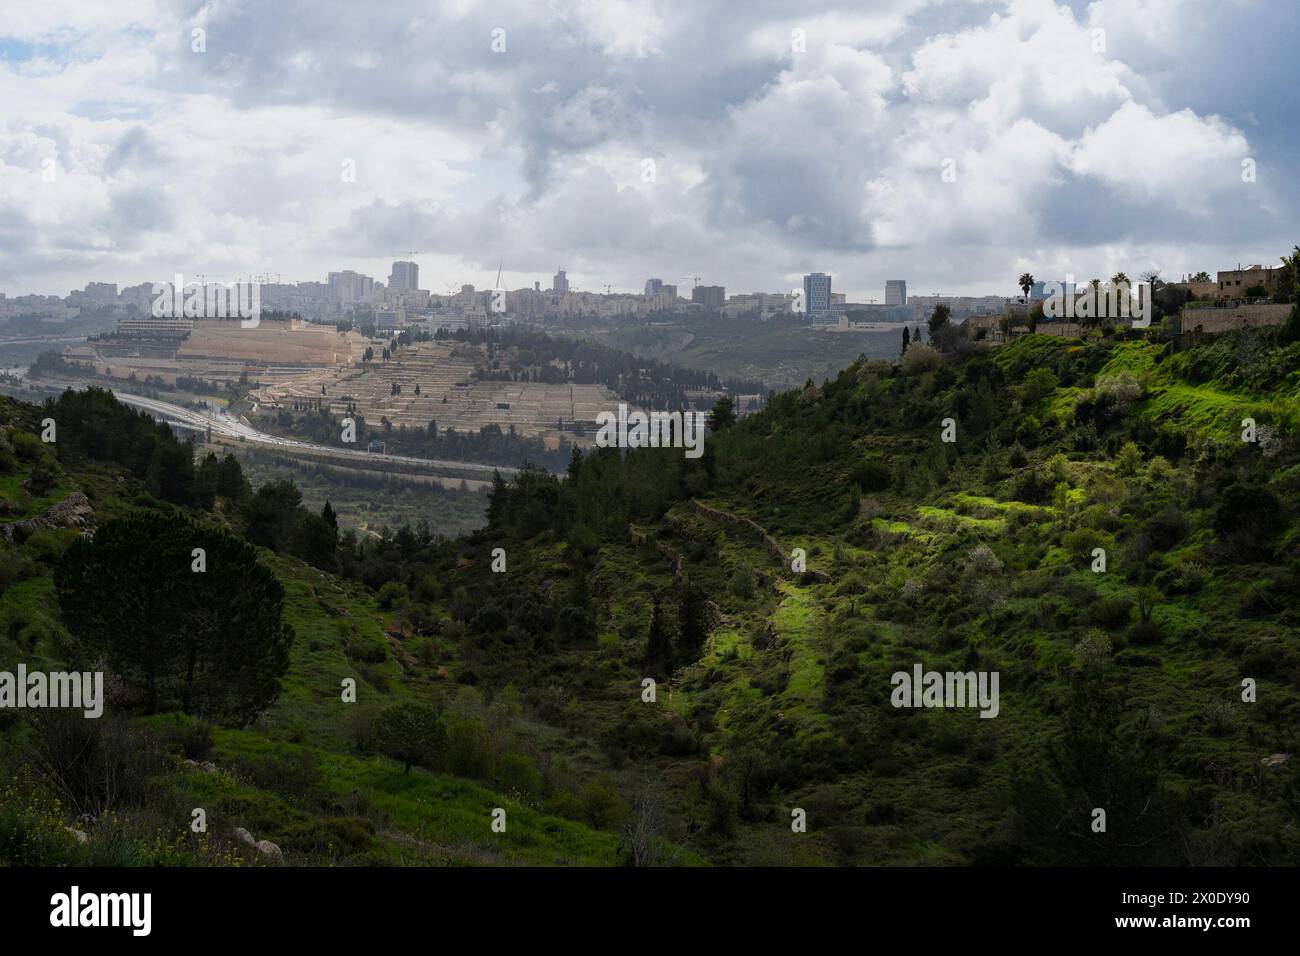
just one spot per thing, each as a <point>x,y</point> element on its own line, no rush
<point>949,142</point>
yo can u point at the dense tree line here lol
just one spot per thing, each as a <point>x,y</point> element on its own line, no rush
<point>490,445</point>
<point>539,357</point>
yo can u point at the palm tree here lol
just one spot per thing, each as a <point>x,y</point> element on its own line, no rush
<point>1119,280</point>
<point>1026,283</point>
<point>1202,276</point>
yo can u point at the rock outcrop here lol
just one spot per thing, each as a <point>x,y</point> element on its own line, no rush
<point>74,511</point>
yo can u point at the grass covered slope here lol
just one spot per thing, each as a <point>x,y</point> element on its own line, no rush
<point>1121,688</point>
<point>1098,534</point>
<point>307,774</point>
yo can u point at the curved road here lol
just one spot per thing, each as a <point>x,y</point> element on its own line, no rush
<point>223,423</point>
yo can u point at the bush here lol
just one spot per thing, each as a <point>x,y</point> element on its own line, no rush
<point>15,566</point>
<point>1111,613</point>
<point>872,474</point>
<point>518,776</point>
<point>1082,541</point>
<point>1129,460</point>
<point>919,359</point>
<point>49,544</point>
<point>293,774</point>
<point>603,807</point>
<point>469,749</point>
<point>391,595</point>
<point>411,734</point>
<point>330,836</point>
<point>95,765</point>
<point>188,736</point>
<point>743,582</point>
<point>1146,632</point>
<point>1248,520</point>
<point>365,650</point>
<point>984,561</point>
<point>360,726</point>
<point>1168,528</point>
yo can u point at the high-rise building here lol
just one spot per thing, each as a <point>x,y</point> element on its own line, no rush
<point>895,292</point>
<point>653,287</point>
<point>560,283</point>
<point>1040,291</point>
<point>348,287</point>
<point>406,276</point>
<point>712,297</point>
<point>817,294</point>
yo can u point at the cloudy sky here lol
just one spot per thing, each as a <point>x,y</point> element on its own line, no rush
<point>954,144</point>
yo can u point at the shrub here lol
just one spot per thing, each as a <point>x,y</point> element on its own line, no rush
<point>1248,520</point>
<point>1129,460</point>
<point>1082,541</point>
<point>188,736</point>
<point>1219,717</point>
<point>743,582</point>
<point>360,726</point>
<point>392,594</point>
<point>603,807</point>
<point>1111,613</point>
<point>411,734</point>
<point>365,650</point>
<point>517,775</point>
<point>15,566</point>
<point>1168,528</point>
<point>872,474</point>
<point>292,773</point>
<point>330,835</point>
<point>1146,632</point>
<point>984,561</point>
<point>49,544</point>
<point>919,359</point>
<point>469,750</point>
<point>95,765</point>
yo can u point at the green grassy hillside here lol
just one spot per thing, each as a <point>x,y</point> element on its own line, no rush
<point>771,590</point>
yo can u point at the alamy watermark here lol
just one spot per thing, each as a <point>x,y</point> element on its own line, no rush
<point>1112,300</point>
<point>208,300</point>
<point>638,429</point>
<point>133,911</point>
<point>74,690</point>
<point>922,688</point>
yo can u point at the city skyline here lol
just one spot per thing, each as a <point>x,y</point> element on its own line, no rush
<point>954,143</point>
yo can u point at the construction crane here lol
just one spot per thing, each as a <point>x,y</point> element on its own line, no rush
<point>695,282</point>
<point>410,254</point>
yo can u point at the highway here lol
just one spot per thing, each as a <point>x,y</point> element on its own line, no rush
<point>228,426</point>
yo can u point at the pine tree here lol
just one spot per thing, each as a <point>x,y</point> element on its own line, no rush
<point>210,643</point>
<point>659,647</point>
<point>327,513</point>
<point>498,500</point>
<point>692,622</point>
<point>723,414</point>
